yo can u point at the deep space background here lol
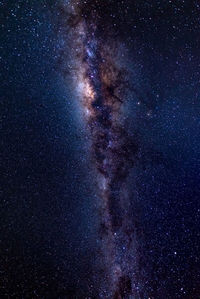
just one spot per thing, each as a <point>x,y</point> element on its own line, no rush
<point>48,231</point>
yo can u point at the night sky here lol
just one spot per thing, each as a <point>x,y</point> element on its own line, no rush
<point>100,156</point>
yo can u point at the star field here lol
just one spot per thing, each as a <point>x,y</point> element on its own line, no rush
<point>53,241</point>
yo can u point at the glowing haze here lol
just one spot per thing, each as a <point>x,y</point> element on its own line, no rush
<point>101,82</point>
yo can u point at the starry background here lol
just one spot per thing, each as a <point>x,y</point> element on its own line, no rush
<point>48,233</point>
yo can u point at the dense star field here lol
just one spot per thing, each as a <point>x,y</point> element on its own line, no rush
<point>100,158</point>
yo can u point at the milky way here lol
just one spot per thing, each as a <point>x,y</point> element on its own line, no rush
<point>102,85</point>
